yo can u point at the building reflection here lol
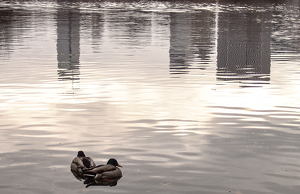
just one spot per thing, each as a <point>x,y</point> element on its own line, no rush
<point>286,28</point>
<point>180,33</point>
<point>13,24</point>
<point>97,30</point>
<point>243,51</point>
<point>135,26</point>
<point>7,18</point>
<point>68,46</point>
<point>191,40</point>
<point>243,42</point>
<point>93,25</point>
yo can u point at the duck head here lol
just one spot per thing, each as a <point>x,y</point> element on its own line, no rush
<point>113,162</point>
<point>80,154</point>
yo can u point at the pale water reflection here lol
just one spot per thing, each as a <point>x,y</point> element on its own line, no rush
<point>190,97</point>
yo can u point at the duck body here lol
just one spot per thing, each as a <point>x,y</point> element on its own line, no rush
<point>82,163</point>
<point>101,182</point>
<point>108,171</point>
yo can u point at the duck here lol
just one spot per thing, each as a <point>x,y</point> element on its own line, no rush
<point>82,163</point>
<point>108,171</point>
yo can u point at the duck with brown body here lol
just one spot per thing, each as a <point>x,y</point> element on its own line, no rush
<point>82,163</point>
<point>108,171</point>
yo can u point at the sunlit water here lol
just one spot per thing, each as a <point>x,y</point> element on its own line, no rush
<point>189,97</point>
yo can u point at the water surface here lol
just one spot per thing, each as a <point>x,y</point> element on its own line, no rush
<point>190,97</point>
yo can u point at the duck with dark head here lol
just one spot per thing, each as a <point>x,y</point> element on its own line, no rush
<point>108,171</point>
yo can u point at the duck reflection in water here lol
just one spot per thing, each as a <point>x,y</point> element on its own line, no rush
<point>101,182</point>
<point>84,168</point>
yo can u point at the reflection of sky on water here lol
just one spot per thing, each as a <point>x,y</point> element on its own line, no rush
<point>144,83</point>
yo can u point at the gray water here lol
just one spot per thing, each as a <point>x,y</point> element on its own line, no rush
<point>190,97</point>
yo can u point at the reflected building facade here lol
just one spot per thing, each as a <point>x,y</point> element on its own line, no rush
<point>68,45</point>
<point>191,40</point>
<point>97,30</point>
<point>126,24</point>
<point>286,24</point>
<point>93,25</point>
<point>243,52</point>
<point>6,31</point>
<point>13,24</point>
<point>180,33</point>
<point>203,33</point>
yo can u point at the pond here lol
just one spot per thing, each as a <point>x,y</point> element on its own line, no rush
<point>188,96</point>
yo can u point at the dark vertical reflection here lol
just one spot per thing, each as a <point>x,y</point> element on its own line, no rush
<point>13,23</point>
<point>286,28</point>
<point>93,23</point>
<point>97,30</point>
<point>203,31</point>
<point>191,40</point>
<point>68,43</point>
<point>130,28</point>
<point>244,46</point>
<point>6,20</point>
<point>180,33</point>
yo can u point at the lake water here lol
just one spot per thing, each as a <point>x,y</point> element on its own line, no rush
<point>190,97</point>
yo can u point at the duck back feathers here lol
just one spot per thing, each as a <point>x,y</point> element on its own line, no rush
<point>81,162</point>
<point>108,171</point>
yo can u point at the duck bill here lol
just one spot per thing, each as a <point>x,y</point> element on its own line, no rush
<point>119,165</point>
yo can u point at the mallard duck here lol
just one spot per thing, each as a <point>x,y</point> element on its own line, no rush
<point>81,163</point>
<point>108,171</point>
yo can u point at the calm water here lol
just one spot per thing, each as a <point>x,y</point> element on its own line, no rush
<point>189,97</point>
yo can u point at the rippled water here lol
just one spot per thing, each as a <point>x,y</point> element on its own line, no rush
<point>190,97</point>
